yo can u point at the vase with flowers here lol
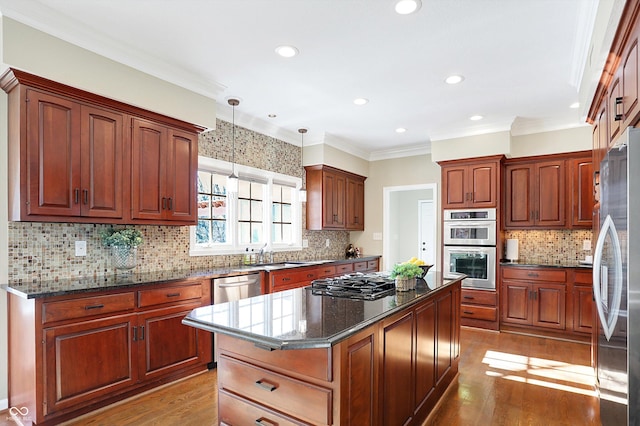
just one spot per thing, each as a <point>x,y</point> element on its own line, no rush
<point>124,246</point>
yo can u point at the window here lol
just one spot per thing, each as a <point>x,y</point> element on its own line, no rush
<point>266,209</point>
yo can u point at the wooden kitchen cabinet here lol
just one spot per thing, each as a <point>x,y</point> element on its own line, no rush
<point>75,353</point>
<point>479,308</point>
<point>534,297</point>
<point>470,183</point>
<point>164,166</point>
<point>73,158</point>
<point>583,305</point>
<point>580,194</point>
<point>535,194</point>
<point>335,199</point>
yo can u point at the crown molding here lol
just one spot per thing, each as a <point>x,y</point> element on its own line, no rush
<point>399,152</point>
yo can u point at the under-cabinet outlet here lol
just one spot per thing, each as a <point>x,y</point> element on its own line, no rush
<point>305,243</point>
<point>81,248</point>
<point>328,243</point>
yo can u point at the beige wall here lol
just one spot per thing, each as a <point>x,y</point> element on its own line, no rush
<point>568,140</point>
<point>470,146</point>
<point>326,154</point>
<point>34,51</point>
<point>385,173</point>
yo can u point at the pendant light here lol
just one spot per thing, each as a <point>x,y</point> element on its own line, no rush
<point>232,180</point>
<point>303,191</point>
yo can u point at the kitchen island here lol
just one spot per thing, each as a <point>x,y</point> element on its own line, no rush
<point>295,357</point>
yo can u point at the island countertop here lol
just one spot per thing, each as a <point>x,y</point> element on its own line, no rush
<point>298,319</point>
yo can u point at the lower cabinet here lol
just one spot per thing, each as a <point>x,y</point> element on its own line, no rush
<point>479,308</point>
<point>100,348</point>
<point>553,300</point>
<point>391,373</point>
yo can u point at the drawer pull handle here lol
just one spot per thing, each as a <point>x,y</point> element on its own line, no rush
<point>266,385</point>
<point>468,297</point>
<point>286,279</point>
<point>262,421</point>
<point>173,294</point>
<point>468,312</point>
<point>89,307</point>
<point>532,274</point>
<point>309,275</point>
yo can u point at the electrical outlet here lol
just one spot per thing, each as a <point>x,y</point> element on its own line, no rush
<point>586,245</point>
<point>81,248</point>
<point>328,243</point>
<point>305,243</point>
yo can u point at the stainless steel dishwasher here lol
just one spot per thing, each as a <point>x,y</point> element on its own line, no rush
<point>230,289</point>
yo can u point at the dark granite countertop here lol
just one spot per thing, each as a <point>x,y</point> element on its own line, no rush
<point>546,265</point>
<point>39,289</point>
<point>298,319</point>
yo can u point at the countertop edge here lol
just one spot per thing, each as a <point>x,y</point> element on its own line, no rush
<point>283,344</point>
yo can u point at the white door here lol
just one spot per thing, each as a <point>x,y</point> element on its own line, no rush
<point>427,231</point>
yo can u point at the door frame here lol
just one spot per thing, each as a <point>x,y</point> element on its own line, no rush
<point>386,222</point>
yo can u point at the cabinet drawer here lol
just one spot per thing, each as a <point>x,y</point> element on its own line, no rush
<point>344,268</point>
<point>479,297</point>
<point>326,271</point>
<point>237,411</point>
<point>584,277</point>
<point>479,312</point>
<point>372,265</point>
<point>293,277</point>
<point>535,274</point>
<point>360,266</point>
<point>160,296</point>
<point>87,306</point>
<point>300,399</point>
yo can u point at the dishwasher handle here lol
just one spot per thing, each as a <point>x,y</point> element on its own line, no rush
<point>236,284</point>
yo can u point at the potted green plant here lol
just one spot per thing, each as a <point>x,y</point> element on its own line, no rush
<point>405,275</point>
<point>123,243</point>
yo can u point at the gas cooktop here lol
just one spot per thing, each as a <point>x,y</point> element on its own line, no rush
<point>354,286</point>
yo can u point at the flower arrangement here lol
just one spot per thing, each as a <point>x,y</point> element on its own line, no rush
<point>406,270</point>
<point>128,237</point>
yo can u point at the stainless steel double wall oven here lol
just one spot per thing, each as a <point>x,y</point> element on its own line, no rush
<point>470,246</point>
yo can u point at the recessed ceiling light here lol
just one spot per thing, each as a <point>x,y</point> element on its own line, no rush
<point>574,105</point>
<point>401,130</point>
<point>287,51</point>
<point>361,101</point>
<point>454,79</point>
<point>476,117</point>
<point>407,7</point>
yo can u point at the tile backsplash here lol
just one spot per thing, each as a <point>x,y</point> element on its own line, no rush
<point>551,246</point>
<point>46,251</point>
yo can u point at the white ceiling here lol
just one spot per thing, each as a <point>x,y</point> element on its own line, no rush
<point>522,61</point>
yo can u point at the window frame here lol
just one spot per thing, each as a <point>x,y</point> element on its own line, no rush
<point>268,178</point>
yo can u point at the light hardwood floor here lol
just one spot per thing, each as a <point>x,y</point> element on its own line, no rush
<point>505,379</point>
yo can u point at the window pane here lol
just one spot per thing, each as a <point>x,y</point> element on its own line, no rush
<point>204,182</point>
<point>276,193</point>
<point>287,194</point>
<point>276,213</point>
<point>244,232</point>
<point>219,205</point>
<point>219,184</point>
<point>219,231</point>
<point>244,188</point>
<point>256,211</point>
<point>256,190</point>
<point>287,232</point>
<point>243,210</point>
<point>203,231</point>
<point>256,233</point>
<point>204,206</point>
<point>286,213</point>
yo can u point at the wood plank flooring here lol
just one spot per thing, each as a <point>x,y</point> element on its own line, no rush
<point>505,379</point>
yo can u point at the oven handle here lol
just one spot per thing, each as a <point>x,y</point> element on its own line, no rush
<point>471,249</point>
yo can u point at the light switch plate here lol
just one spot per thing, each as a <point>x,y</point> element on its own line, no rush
<point>377,236</point>
<point>81,248</point>
<point>305,243</point>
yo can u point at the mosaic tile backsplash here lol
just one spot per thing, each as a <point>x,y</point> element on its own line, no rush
<point>46,251</point>
<point>551,246</point>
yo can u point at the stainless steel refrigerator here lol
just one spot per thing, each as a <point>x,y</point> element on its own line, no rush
<point>616,282</point>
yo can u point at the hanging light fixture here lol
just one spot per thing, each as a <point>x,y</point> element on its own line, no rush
<point>232,180</point>
<point>303,191</point>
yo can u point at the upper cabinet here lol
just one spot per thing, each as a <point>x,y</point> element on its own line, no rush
<point>549,192</point>
<point>470,183</point>
<point>164,162</point>
<point>535,194</point>
<point>78,157</point>
<point>335,199</point>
